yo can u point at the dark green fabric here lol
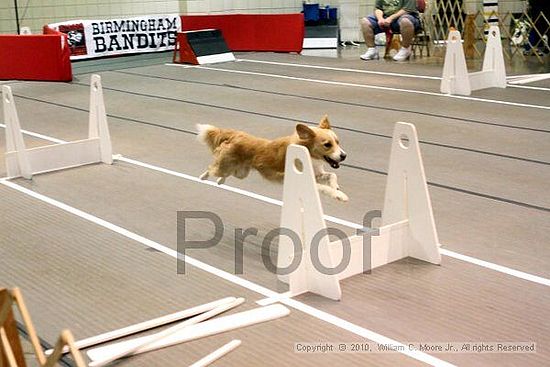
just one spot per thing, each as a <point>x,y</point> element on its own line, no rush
<point>390,7</point>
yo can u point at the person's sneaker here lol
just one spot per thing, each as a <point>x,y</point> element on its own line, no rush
<point>371,54</point>
<point>403,54</point>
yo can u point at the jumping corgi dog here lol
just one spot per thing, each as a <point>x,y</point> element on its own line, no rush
<point>237,152</point>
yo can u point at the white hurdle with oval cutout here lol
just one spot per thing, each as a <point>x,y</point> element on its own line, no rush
<point>408,226</point>
<point>457,80</point>
<point>24,162</point>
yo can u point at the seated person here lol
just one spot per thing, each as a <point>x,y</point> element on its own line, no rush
<point>400,16</point>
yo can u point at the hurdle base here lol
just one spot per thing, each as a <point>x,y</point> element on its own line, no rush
<point>477,80</point>
<point>391,245</point>
<point>57,157</point>
<point>408,228</point>
<point>485,79</point>
<point>212,59</point>
<point>394,242</point>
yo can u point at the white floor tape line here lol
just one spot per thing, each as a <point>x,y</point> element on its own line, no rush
<point>524,79</point>
<point>145,241</point>
<point>528,87</point>
<point>365,86</point>
<point>511,79</point>
<point>368,334</point>
<point>271,300</point>
<point>334,320</point>
<point>496,267</point>
<point>192,178</point>
<point>472,260</point>
<point>39,136</point>
<point>384,73</point>
<point>236,190</point>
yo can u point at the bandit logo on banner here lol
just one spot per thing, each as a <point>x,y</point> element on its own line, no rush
<point>75,37</point>
<point>97,38</point>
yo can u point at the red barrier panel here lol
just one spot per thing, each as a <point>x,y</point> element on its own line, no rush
<point>35,57</point>
<point>253,32</point>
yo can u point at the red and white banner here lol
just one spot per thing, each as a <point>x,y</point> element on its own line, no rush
<point>98,38</point>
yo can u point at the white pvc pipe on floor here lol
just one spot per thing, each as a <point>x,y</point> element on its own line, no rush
<point>193,332</point>
<point>146,325</point>
<point>217,354</point>
<point>158,337</point>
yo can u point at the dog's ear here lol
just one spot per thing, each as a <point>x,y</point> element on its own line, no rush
<point>324,124</point>
<point>304,132</point>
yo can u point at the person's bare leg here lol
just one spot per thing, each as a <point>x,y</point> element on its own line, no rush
<point>368,33</point>
<point>407,32</point>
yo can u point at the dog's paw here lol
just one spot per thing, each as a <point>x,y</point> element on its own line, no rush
<point>204,176</point>
<point>339,195</point>
<point>333,182</point>
<point>220,180</point>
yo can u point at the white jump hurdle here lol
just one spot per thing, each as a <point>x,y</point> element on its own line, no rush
<point>457,80</point>
<point>27,162</point>
<point>408,227</point>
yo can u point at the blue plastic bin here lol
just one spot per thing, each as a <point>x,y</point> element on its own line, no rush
<point>323,14</point>
<point>333,14</point>
<point>311,12</point>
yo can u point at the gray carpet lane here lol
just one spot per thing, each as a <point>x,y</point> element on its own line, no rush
<point>436,127</point>
<point>103,191</point>
<point>77,275</point>
<point>412,99</point>
<point>492,175</point>
<point>378,80</point>
<point>348,57</point>
<point>447,307</point>
<point>505,233</point>
<point>481,227</point>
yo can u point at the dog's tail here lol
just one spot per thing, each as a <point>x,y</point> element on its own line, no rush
<point>211,135</point>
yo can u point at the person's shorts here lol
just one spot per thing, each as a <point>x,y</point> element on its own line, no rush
<point>394,26</point>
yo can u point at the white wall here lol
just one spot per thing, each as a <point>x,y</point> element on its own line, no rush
<point>243,6</point>
<point>36,13</point>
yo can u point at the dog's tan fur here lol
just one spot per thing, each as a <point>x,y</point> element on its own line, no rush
<point>236,153</point>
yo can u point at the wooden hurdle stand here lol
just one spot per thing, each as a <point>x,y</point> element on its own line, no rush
<point>408,227</point>
<point>27,162</point>
<point>11,353</point>
<point>457,80</point>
